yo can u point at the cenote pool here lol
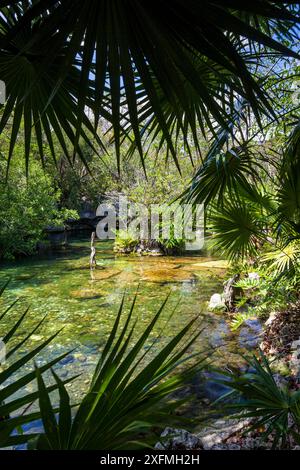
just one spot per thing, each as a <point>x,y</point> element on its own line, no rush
<point>85,303</point>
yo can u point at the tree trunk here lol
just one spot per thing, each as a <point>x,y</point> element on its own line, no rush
<point>231,292</point>
<point>93,262</point>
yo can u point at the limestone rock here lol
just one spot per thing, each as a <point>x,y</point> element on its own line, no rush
<point>231,292</point>
<point>178,439</point>
<point>215,436</point>
<point>254,276</point>
<point>271,318</point>
<point>216,302</point>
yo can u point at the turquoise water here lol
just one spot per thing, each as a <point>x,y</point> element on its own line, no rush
<point>84,303</point>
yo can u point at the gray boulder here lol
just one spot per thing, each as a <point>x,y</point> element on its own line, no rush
<point>216,302</point>
<point>178,439</point>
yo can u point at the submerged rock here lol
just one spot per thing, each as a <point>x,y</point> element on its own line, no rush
<point>219,264</point>
<point>36,337</point>
<point>250,334</point>
<point>67,360</point>
<point>211,386</point>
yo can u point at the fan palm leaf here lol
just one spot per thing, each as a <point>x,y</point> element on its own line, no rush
<point>283,261</point>
<point>36,107</point>
<point>236,230</point>
<point>121,50</point>
<point>288,197</point>
<point>234,167</point>
<point>226,174</point>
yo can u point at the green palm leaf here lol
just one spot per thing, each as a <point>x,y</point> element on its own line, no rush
<point>59,57</point>
<point>128,396</point>
<point>236,230</point>
<point>13,381</point>
<point>270,406</point>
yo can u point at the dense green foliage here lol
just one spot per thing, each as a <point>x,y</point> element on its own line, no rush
<point>27,207</point>
<point>139,98</point>
<point>102,59</point>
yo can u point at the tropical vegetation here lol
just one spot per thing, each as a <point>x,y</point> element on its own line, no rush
<point>272,407</point>
<point>196,102</point>
<point>129,399</point>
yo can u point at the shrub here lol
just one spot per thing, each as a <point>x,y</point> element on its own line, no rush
<point>27,207</point>
<point>271,406</point>
<point>125,242</point>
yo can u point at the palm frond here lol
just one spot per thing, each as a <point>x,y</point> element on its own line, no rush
<point>38,109</point>
<point>60,57</point>
<point>236,230</point>
<point>269,405</point>
<point>129,393</point>
<point>288,198</point>
<point>283,261</point>
<point>227,174</point>
<point>13,400</point>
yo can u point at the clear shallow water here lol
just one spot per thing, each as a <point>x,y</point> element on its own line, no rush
<point>85,304</point>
